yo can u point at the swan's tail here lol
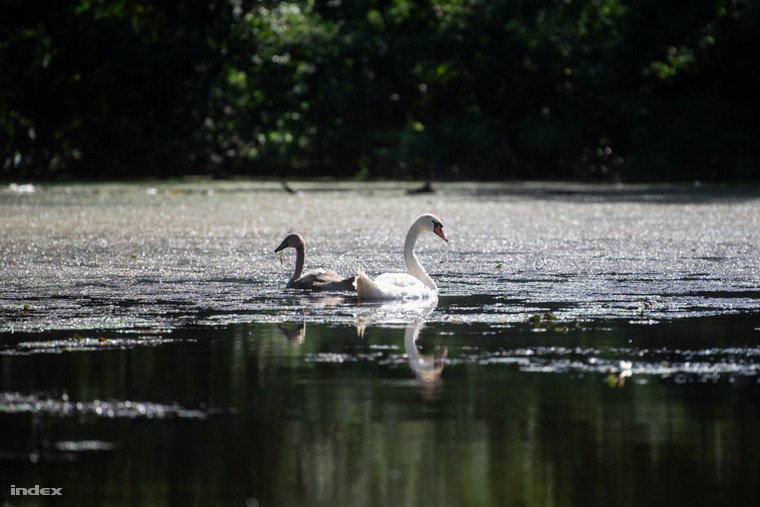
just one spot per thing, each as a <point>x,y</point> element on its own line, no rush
<point>366,288</point>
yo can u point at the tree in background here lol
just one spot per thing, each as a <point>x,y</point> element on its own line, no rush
<point>636,89</point>
<point>109,88</point>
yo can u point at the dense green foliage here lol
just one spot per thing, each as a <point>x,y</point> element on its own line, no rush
<point>632,89</point>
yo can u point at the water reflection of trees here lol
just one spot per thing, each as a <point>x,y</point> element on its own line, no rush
<point>288,432</point>
<point>498,436</point>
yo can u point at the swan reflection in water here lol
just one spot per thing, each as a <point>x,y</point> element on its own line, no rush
<point>426,367</point>
<point>295,331</point>
<point>295,335</point>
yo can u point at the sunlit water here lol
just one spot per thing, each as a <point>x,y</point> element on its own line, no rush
<point>590,345</point>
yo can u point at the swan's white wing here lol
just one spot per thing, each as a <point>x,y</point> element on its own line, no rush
<point>395,286</point>
<point>398,280</point>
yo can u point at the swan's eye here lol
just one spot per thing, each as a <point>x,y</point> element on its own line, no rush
<point>437,224</point>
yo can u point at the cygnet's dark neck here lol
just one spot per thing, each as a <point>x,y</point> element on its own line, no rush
<point>300,260</point>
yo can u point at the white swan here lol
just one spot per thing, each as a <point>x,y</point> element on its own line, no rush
<point>315,280</point>
<point>413,285</point>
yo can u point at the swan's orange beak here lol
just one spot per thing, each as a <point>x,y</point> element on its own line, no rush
<point>440,359</point>
<point>439,231</point>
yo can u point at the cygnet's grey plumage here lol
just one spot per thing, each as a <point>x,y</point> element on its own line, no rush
<point>315,280</point>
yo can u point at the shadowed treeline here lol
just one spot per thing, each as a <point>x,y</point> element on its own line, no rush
<point>628,89</point>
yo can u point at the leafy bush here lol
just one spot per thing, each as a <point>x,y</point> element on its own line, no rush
<point>636,90</point>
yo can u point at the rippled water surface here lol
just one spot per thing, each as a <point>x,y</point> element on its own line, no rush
<point>590,345</point>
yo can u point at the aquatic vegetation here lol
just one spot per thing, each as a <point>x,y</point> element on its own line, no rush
<point>548,322</point>
<point>121,271</point>
<point>79,343</point>
<point>14,402</point>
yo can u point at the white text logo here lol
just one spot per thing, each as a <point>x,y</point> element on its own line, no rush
<point>36,490</point>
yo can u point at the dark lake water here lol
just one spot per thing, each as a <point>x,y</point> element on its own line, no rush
<point>590,346</point>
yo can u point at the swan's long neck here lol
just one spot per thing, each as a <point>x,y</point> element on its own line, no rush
<point>412,262</point>
<point>300,259</point>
